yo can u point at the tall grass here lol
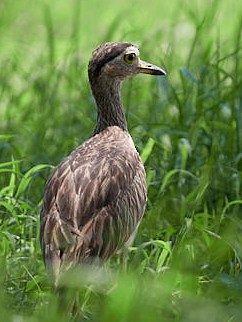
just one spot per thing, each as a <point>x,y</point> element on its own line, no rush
<point>185,264</point>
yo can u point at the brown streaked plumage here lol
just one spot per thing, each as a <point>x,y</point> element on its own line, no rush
<point>95,198</point>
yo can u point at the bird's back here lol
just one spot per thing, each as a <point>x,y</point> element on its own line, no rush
<point>93,201</point>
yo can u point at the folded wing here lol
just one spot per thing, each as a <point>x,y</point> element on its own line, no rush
<point>93,201</point>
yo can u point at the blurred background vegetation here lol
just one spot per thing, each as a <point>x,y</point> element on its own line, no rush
<point>185,264</point>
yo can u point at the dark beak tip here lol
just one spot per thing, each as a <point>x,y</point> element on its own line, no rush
<point>147,68</point>
<point>158,72</point>
<point>162,73</point>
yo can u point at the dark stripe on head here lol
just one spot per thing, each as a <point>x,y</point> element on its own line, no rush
<point>103,55</point>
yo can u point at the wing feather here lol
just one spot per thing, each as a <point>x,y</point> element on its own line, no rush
<point>93,201</point>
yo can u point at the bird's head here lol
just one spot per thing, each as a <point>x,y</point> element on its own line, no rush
<point>117,61</point>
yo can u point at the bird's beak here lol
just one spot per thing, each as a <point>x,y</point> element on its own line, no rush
<point>147,68</point>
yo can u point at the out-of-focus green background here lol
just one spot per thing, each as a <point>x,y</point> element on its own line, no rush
<point>185,264</point>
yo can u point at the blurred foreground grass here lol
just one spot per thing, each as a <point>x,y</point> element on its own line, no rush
<point>185,264</point>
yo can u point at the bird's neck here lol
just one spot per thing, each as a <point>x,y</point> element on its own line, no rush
<point>110,111</point>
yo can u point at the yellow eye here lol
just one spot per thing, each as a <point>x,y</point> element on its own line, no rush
<point>130,58</point>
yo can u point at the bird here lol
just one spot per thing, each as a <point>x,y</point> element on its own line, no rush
<point>95,198</point>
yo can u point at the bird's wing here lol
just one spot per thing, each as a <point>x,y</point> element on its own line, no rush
<point>93,201</point>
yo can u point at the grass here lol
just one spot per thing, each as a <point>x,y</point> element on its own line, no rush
<point>185,264</point>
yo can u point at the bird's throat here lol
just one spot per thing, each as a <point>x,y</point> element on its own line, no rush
<point>110,111</point>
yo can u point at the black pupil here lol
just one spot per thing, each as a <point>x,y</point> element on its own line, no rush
<point>131,57</point>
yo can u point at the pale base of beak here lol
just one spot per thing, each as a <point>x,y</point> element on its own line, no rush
<point>147,68</point>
